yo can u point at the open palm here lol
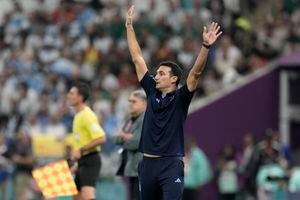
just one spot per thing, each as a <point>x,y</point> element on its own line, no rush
<point>211,35</point>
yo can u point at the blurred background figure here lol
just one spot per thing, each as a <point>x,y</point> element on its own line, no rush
<point>294,183</point>
<point>197,170</point>
<point>22,157</point>
<point>5,166</point>
<point>227,177</point>
<point>228,60</point>
<point>265,153</point>
<point>248,187</point>
<point>129,139</point>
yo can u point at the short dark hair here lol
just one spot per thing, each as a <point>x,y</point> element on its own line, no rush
<point>176,70</point>
<point>140,94</point>
<point>83,89</point>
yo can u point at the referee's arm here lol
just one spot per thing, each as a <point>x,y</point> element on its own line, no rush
<point>77,153</point>
<point>93,143</point>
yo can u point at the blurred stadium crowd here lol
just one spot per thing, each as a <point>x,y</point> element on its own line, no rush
<point>45,45</point>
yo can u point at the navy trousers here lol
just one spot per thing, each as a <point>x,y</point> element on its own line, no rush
<point>161,178</point>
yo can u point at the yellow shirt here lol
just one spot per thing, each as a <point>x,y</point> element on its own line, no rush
<point>86,128</point>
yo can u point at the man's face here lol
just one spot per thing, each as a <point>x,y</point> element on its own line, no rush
<point>136,105</point>
<point>164,78</point>
<point>74,98</point>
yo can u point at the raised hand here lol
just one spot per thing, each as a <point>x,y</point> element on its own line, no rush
<point>129,16</point>
<point>211,35</point>
<point>134,47</point>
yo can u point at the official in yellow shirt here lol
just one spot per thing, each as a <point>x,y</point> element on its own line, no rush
<point>86,128</point>
<point>88,136</point>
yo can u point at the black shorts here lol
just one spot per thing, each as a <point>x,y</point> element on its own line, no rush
<point>88,170</point>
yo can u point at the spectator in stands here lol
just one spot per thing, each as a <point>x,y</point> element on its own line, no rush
<point>270,181</point>
<point>197,170</point>
<point>5,165</point>
<point>23,159</point>
<point>228,60</point>
<point>266,152</point>
<point>247,151</point>
<point>284,149</point>
<point>228,185</point>
<point>55,128</point>
<point>294,182</point>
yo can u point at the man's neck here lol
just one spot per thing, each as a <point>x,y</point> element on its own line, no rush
<point>137,114</point>
<point>168,90</point>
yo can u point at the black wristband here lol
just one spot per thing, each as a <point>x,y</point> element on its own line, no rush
<point>206,45</point>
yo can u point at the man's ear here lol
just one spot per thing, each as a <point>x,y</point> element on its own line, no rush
<point>174,79</point>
